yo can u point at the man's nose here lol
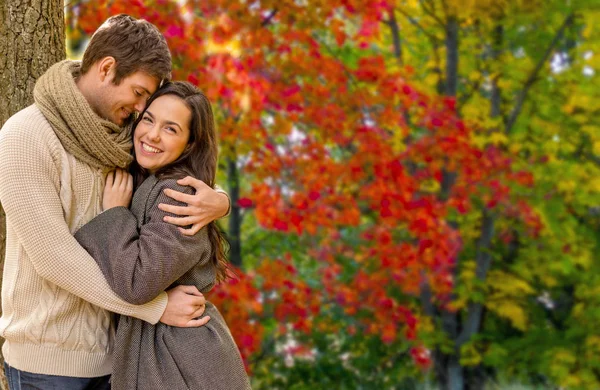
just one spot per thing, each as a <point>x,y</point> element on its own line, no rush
<point>140,105</point>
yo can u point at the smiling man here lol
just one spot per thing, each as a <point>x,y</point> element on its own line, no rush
<point>56,304</point>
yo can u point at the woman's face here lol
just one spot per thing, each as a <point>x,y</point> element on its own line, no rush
<point>163,133</point>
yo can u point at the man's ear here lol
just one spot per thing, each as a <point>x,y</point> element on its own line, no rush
<point>106,68</point>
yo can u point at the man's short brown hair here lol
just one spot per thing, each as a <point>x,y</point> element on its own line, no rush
<point>135,44</point>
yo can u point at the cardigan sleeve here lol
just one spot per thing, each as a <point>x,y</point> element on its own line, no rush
<point>140,263</point>
<point>30,163</point>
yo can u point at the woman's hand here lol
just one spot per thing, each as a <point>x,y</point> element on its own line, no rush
<point>118,189</point>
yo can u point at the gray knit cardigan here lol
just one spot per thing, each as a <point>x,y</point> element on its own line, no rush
<point>140,256</point>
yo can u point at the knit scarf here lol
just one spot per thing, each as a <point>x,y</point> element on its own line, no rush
<point>89,138</point>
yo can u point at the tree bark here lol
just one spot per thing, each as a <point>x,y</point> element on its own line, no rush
<point>453,376</point>
<point>235,217</point>
<point>32,37</point>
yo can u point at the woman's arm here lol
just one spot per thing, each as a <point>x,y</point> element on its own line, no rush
<point>141,263</point>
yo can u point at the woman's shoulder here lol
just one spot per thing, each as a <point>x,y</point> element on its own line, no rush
<point>153,189</point>
<point>171,183</point>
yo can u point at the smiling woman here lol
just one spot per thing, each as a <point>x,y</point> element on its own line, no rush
<point>174,137</point>
<point>163,132</point>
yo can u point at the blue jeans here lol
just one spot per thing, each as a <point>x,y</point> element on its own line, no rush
<point>22,380</point>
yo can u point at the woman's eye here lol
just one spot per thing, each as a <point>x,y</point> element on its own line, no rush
<point>171,130</point>
<point>147,119</point>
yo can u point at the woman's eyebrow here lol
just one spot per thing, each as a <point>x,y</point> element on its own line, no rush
<point>173,123</point>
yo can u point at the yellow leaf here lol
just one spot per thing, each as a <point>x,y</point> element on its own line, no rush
<point>469,355</point>
<point>431,79</point>
<point>593,342</point>
<point>429,186</point>
<point>498,138</point>
<point>511,311</point>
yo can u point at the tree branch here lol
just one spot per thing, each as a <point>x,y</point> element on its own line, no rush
<point>483,259</point>
<point>451,57</point>
<point>432,38</point>
<point>431,12</point>
<point>268,19</point>
<point>417,25</point>
<point>393,24</point>
<point>533,75</point>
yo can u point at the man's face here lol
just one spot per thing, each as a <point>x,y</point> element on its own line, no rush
<point>117,103</point>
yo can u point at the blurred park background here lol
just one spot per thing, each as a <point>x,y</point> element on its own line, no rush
<point>415,183</point>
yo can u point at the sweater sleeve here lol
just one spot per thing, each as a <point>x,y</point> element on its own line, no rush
<point>222,191</point>
<point>29,191</point>
<point>141,263</point>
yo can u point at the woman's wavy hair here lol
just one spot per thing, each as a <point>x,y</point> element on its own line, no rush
<point>199,158</point>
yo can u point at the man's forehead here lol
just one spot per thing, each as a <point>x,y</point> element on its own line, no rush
<point>143,80</point>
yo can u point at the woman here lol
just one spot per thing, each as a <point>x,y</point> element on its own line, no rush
<point>141,256</point>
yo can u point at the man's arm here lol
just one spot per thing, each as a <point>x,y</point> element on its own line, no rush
<point>29,192</point>
<point>205,206</point>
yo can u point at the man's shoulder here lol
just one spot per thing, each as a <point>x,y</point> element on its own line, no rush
<point>28,123</point>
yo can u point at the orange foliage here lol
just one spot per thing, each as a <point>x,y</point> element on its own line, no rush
<point>327,149</point>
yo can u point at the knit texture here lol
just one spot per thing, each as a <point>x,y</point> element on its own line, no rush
<point>91,139</point>
<point>142,257</point>
<point>56,302</point>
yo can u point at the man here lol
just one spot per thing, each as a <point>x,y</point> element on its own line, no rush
<point>54,155</point>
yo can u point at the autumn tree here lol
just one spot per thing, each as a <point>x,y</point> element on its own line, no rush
<point>402,173</point>
<point>503,65</point>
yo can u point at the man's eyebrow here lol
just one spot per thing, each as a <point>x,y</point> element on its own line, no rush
<point>145,90</point>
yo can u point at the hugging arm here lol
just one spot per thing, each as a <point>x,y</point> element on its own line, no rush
<point>201,208</point>
<point>140,263</point>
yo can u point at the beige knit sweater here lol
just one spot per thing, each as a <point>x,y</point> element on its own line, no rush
<point>56,303</point>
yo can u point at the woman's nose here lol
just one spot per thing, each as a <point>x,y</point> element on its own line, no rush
<point>154,133</point>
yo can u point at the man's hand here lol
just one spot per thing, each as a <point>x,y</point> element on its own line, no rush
<point>202,208</point>
<point>184,305</point>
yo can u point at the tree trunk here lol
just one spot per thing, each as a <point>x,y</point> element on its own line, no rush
<point>448,370</point>
<point>235,217</point>
<point>32,37</point>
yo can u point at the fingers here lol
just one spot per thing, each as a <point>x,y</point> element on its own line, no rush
<point>190,290</point>
<point>177,210</point>
<point>129,183</point>
<point>122,178</point>
<point>180,221</point>
<point>198,312</point>
<point>110,178</point>
<point>192,182</point>
<point>117,178</point>
<point>197,323</point>
<point>193,230</point>
<point>179,196</point>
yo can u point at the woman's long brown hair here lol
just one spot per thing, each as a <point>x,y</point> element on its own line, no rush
<point>199,159</point>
